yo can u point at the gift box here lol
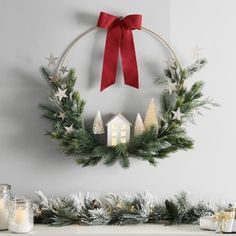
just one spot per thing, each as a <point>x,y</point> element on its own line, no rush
<point>220,222</point>
<point>207,223</point>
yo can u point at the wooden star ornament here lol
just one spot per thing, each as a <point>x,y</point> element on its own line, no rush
<point>177,114</point>
<point>69,129</point>
<point>197,52</point>
<point>64,69</point>
<point>54,77</point>
<point>61,93</point>
<point>51,60</point>
<point>61,115</point>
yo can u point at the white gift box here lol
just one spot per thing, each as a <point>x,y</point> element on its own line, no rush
<point>234,227</point>
<point>208,223</point>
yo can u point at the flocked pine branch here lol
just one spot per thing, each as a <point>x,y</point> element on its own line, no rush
<point>118,209</point>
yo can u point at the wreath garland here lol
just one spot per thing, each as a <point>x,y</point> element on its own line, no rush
<point>66,107</point>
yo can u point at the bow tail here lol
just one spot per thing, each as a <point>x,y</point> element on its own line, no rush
<point>110,57</point>
<point>128,57</point>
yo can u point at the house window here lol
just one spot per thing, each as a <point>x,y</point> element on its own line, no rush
<point>123,133</point>
<point>123,140</point>
<point>113,133</point>
<point>123,127</point>
<point>114,127</point>
<point>114,141</point>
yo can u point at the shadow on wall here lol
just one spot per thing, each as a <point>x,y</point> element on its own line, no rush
<point>85,18</point>
<point>26,127</point>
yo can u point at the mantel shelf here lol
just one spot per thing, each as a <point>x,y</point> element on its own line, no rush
<point>146,229</point>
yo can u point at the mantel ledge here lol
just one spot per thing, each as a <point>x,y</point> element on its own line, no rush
<point>144,229</point>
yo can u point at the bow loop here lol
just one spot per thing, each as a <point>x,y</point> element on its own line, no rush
<point>106,20</point>
<point>119,38</point>
<point>133,21</point>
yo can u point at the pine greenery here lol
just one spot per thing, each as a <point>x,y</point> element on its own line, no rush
<point>118,209</point>
<point>149,146</point>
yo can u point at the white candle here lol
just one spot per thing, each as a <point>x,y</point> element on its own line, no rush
<point>20,220</point>
<point>4,215</point>
<point>21,216</point>
<point>2,204</point>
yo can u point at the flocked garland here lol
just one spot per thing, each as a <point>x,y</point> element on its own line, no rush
<point>179,104</point>
<point>119,209</point>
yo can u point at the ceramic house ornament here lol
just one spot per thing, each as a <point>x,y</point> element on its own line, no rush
<point>118,130</point>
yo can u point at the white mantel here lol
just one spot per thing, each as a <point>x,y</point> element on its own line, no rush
<point>141,230</point>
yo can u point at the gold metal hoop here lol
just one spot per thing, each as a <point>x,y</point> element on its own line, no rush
<point>80,36</point>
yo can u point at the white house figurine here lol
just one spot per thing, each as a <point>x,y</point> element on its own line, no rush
<point>118,130</point>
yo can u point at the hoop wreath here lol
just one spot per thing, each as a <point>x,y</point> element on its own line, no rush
<point>179,104</point>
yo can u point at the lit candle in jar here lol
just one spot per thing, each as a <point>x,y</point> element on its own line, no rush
<point>4,210</point>
<point>2,204</point>
<point>21,216</point>
<point>3,215</point>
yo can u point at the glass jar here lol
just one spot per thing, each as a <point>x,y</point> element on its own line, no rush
<point>5,196</point>
<point>21,217</point>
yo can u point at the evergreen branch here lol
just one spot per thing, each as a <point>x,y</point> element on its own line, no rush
<point>118,209</point>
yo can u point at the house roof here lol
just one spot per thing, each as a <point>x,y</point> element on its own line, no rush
<point>121,117</point>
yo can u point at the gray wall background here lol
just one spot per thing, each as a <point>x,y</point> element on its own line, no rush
<point>31,29</point>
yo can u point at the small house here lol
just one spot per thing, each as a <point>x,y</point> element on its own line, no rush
<point>118,130</point>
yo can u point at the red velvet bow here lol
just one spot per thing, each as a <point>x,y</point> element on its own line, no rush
<point>119,37</point>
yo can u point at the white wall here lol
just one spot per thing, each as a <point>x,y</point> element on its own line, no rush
<point>31,29</point>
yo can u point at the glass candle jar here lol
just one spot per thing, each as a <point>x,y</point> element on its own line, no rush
<point>21,217</point>
<point>5,196</point>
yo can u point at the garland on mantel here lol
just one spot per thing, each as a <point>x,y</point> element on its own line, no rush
<point>118,209</point>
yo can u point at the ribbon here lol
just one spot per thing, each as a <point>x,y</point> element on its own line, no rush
<point>119,38</point>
